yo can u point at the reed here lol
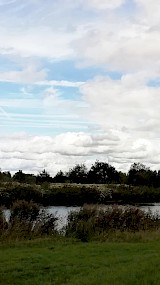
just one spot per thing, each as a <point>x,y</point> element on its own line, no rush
<point>100,222</point>
<point>27,221</point>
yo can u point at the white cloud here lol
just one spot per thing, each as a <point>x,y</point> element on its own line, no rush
<point>147,7</point>
<point>104,4</point>
<point>121,45</point>
<point>28,75</point>
<point>125,104</point>
<point>35,42</point>
<point>32,74</point>
<point>34,153</point>
<point>62,83</point>
<point>122,42</point>
<point>129,109</point>
<point>116,41</point>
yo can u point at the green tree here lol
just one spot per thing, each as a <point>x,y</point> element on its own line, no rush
<point>60,177</point>
<point>43,176</point>
<point>78,174</point>
<point>102,172</point>
<point>5,176</point>
<point>139,174</point>
<point>19,176</point>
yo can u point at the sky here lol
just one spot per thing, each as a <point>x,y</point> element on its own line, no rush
<point>79,82</point>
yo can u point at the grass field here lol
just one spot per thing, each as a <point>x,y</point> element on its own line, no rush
<point>49,262</point>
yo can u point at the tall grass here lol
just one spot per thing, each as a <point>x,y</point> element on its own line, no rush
<point>91,221</point>
<point>27,221</point>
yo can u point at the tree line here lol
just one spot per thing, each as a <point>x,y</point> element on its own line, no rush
<point>99,173</point>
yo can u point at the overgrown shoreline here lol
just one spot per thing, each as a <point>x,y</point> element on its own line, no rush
<point>70,194</point>
<point>28,221</point>
<point>89,223</point>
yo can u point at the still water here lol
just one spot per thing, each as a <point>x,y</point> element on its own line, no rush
<point>62,212</point>
<point>154,208</point>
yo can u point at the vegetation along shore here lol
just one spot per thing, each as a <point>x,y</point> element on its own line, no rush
<point>101,184</point>
<point>113,245</point>
<point>117,243</point>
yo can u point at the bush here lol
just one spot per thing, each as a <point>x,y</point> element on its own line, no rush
<point>27,221</point>
<point>24,211</point>
<point>81,224</point>
<point>22,218</point>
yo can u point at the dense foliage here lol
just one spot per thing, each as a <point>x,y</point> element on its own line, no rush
<point>101,184</point>
<point>99,173</point>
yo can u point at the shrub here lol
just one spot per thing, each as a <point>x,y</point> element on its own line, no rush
<point>22,218</point>
<point>81,224</point>
<point>27,221</point>
<point>24,211</point>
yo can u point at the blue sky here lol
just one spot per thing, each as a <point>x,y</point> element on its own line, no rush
<point>79,81</point>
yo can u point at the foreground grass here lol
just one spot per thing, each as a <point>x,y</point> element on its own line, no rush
<point>69,262</point>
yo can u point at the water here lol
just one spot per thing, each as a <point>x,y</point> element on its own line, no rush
<point>154,208</point>
<point>62,212</point>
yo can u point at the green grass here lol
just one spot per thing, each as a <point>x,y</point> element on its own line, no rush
<point>49,262</point>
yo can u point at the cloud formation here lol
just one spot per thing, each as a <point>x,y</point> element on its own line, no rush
<point>126,104</point>
<point>34,153</point>
<point>29,75</point>
<point>112,114</point>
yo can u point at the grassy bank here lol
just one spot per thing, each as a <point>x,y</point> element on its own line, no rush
<point>64,262</point>
<point>61,194</point>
